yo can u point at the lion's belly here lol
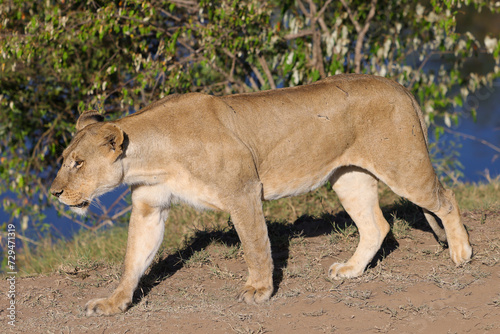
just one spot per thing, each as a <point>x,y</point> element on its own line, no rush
<point>285,183</point>
<point>302,161</point>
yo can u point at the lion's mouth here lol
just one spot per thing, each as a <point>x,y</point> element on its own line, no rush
<point>82,205</point>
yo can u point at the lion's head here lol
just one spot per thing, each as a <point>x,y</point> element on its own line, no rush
<point>91,164</point>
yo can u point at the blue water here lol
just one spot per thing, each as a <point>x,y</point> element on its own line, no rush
<point>475,156</point>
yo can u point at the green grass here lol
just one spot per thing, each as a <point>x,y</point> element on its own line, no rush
<point>483,196</point>
<point>87,249</point>
<point>188,232</point>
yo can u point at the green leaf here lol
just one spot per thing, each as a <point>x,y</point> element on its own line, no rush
<point>474,115</point>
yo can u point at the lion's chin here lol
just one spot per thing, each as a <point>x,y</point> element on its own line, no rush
<point>80,209</point>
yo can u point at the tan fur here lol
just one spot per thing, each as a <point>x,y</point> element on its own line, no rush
<point>230,153</point>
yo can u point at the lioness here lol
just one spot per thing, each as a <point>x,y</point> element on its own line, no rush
<point>230,153</point>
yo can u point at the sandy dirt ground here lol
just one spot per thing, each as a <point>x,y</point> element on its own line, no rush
<point>412,287</point>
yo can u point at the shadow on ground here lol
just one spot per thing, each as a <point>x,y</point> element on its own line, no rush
<point>280,234</point>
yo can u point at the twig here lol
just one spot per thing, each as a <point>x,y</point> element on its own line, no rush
<point>303,8</point>
<point>252,81</point>
<point>122,212</point>
<point>299,34</point>
<point>322,10</point>
<point>64,214</point>
<point>267,71</point>
<point>21,237</point>
<point>122,195</point>
<point>361,31</point>
<point>192,5</point>
<point>258,74</point>
<point>319,17</point>
<point>317,56</point>
<point>173,17</point>
<point>105,215</point>
<point>432,53</point>
<point>482,141</point>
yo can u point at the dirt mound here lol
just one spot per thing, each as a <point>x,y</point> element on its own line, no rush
<point>413,287</point>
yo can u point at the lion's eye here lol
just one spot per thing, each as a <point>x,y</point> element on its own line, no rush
<point>78,163</point>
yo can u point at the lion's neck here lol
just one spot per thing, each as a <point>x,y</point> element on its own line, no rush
<point>143,164</point>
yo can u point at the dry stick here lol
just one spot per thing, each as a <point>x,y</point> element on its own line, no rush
<point>258,74</point>
<point>39,142</point>
<point>64,214</point>
<point>252,81</point>
<point>322,10</point>
<point>428,57</point>
<point>122,212</point>
<point>482,141</point>
<point>267,71</point>
<point>118,199</point>
<point>299,34</point>
<point>228,76</point>
<point>317,57</point>
<point>361,31</point>
<point>22,237</point>
<point>173,17</point>
<point>192,5</point>
<point>303,8</point>
<point>110,220</point>
<point>425,62</point>
<point>319,17</point>
<point>231,72</point>
<point>104,217</point>
<point>317,52</point>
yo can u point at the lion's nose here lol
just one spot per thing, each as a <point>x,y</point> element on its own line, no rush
<point>57,193</point>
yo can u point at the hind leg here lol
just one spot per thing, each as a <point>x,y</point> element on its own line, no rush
<point>438,230</point>
<point>357,191</point>
<point>456,235</point>
<point>423,188</point>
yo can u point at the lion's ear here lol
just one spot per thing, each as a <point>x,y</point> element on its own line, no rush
<point>113,138</point>
<point>87,118</point>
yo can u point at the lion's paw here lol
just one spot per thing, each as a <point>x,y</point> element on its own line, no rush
<point>343,270</point>
<point>251,295</point>
<point>105,306</point>
<point>462,254</point>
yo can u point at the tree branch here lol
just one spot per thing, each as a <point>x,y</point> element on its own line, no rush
<point>429,55</point>
<point>252,81</point>
<point>267,71</point>
<point>303,8</point>
<point>302,33</point>
<point>258,74</point>
<point>322,10</point>
<point>361,31</point>
<point>351,16</point>
<point>317,52</point>
<point>482,141</point>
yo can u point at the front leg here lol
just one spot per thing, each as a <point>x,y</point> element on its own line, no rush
<point>145,235</point>
<point>248,219</point>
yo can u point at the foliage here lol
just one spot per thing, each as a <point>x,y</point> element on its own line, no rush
<point>58,58</point>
